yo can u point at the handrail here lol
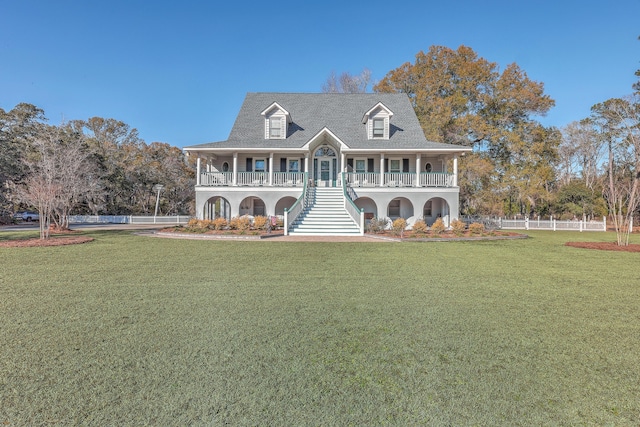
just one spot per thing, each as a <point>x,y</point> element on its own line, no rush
<point>349,205</point>
<point>291,214</point>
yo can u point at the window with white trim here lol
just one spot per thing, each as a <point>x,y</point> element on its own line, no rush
<point>428,167</point>
<point>395,165</point>
<point>378,128</point>
<point>361,165</point>
<point>260,165</point>
<point>275,127</point>
<point>293,165</point>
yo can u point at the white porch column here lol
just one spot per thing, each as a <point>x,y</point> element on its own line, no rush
<point>235,169</point>
<point>270,168</point>
<point>418,159</point>
<point>342,162</point>
<point>455,170</point>
<point>306,164</point>
<point>381,169</point>
<point>198,169</point>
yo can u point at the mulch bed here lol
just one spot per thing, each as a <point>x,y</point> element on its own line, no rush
<point>604,246</point>
<point>52,241</point>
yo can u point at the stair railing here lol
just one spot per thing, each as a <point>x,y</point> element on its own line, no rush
<point>356,213</point>
<point>291,214</point>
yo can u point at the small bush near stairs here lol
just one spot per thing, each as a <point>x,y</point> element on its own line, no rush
<point>398,226</point>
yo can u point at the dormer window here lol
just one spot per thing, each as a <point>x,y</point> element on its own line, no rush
<point>378,128</point>
<point>275,127</point>
<point>378,121</point>
<point>276,119</point>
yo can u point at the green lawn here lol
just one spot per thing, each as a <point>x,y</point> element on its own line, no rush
<point>133,330</point>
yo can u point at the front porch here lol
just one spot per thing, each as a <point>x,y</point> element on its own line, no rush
<point>353,179</point>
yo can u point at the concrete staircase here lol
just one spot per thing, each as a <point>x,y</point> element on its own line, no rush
<point>325,216</point>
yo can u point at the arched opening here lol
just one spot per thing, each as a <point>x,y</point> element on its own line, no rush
<point>253,206</point>
<point>400,207</point>
<point>285,202</point>
<point>217,207</point>
<point>435,208</point>
<point>369,206</point>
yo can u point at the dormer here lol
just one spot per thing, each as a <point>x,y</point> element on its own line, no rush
<point>276,120</point>
<point>377,121</point>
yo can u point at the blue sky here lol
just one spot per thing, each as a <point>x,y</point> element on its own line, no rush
<point>178,71</point>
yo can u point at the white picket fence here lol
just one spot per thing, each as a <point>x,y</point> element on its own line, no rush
<point>128,219</point>
<point>552,224</point>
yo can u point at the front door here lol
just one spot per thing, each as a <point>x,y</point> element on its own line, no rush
<point>324,173</point>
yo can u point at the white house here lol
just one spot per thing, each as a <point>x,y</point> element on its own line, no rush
<point>327,162</point>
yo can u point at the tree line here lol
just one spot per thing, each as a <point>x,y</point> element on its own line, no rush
<point>587,169</point>
<point>94,166</point>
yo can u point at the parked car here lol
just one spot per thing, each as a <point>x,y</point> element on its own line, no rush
<point>27,216</point>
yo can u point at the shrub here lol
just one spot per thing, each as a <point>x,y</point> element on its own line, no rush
<point>240,223</point>
<point>199,225</point>
<point>244,223</point>
<point>438,226</point>
<point>260,222</point>
<point>220,223</point>
<point>476,228</point>
<point>458,227</point>
<point>376,225</point>
<point>398,226</point>
<point>420,227</point>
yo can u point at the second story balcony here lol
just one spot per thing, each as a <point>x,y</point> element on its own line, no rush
<point>353,179</point>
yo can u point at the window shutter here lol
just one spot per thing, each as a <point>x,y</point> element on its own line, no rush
<point>266,165</point>
<point>302,165</point>
<point>266,128</point>
<point>405,165</point>
<point>283,164</point>
<point>386,165</point>
<point>335,168</point>
<point>349,165</point>
<point>283,128</point>
<point>370,165</point>
<point>249,164</point>
<point>386,128</point>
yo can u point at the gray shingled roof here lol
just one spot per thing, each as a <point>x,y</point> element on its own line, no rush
<point>341,113</point>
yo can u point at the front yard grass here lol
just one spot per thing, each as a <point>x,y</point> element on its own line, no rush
<point>130,330</point>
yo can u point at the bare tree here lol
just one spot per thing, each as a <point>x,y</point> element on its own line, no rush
<point>58,178</point>
<point>619,123</point>
<point>581,153</point>
<point>347,82</point>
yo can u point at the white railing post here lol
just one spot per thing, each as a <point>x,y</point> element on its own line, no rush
<point>526,223</point>
<point>286,222</point>
<point>581,226</point>
<point>362,221</point>
<point>604,223</point>
<point>198,170</point>
<point>554,224</point>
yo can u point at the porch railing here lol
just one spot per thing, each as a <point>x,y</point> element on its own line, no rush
<point>253,178</point>
<point>216,178</point>
<point>362,179</point>
<point>280,179</point>
<point>436,179</point>
<point>288,179</point>
<point>352,179</point>
<point>291,214</point>
<point>356,213</point>
<point>396,179</point>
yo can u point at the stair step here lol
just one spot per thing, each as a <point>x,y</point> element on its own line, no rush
<point>326,215</point>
